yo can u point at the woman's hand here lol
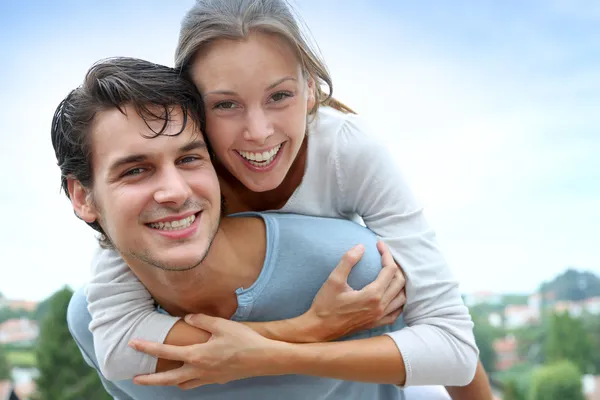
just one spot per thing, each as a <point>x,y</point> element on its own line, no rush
<point>233,352</point>
<point>338,310</point>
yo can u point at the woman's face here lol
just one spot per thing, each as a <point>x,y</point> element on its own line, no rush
<point>256,99</point>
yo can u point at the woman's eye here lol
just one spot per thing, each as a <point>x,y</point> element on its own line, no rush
<point>279,96</point>
<point>225,105</point>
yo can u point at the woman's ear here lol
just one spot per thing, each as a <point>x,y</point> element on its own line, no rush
<point>311,94</point>
<point>81,200</point>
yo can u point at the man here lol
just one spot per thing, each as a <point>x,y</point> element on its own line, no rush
<point>134,163</point>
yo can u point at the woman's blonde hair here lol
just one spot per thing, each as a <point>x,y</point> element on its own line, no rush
<point>210,20</point>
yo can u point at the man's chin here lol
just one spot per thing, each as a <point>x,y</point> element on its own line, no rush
<point>164,262</point>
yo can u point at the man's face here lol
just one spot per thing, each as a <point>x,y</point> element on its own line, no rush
<point>157,199</point>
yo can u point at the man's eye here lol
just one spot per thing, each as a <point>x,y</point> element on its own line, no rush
<point>279,96</point>
<point>225,105</point>
<point>134,172</point>
<point>189,159</point>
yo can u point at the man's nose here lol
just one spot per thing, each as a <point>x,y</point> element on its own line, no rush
<point>173,188</point>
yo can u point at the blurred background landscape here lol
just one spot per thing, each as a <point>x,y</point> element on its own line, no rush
<point>491,109</point>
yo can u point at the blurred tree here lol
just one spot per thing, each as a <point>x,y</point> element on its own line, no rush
<point>7,313</point>
<point>557,381</point>
<point>5,369</point>
<point>63,372</point>
<point>511,391</point>
<point>485,334</point>
<point>573,285</point>
<point>568,340</point>
<point>592,327</point>
<point>530,340</point>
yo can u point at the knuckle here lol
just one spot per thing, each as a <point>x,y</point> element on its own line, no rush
<point>336,281</point>
<point>350,258</point>
<point>194,359</point>
<point>375,300</point>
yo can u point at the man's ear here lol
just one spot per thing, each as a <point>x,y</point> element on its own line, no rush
<point>82,201</point>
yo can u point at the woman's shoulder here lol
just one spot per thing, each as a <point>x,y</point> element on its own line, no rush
<point>341,132</point>
<point>347,137</point>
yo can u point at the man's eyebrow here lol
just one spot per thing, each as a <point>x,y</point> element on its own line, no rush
<point>193,145</point>
<point>121,162</point>
<point>136,158</point>
<point>271,86</point>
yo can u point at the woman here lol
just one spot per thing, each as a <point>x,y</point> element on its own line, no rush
<point>282,143</point>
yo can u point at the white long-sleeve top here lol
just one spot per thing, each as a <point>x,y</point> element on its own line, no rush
<point>348,175</point>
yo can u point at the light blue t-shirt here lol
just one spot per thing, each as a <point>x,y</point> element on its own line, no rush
<point>301,253</point>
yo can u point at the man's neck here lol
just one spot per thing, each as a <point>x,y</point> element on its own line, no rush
<point>234,260</point>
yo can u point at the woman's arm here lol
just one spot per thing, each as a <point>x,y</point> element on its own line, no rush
<point>478,389</point>
<point>122,309</point>
<point>438,346</point>
<point>337,310</point>
<point>235,351</point>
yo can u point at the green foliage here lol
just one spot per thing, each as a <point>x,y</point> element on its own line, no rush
<point>485,334</point>
<point>63,372</point>
<point>41,310</point>
<point>5,367</point>
<point>512,391</point>
<point>573,285</point>
<point>517,378</point>
<point>558,381</point>
<point>515,299</point>
<point>530,341</point>
<point>7,313</point>
<point>592,327</point>
<point>568,340</point>
<point>21,358</point>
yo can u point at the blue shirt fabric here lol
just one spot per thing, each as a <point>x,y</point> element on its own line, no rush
<point>301,253</point>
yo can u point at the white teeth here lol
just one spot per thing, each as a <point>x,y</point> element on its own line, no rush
<point>174,225</point>
<point>261,159</point>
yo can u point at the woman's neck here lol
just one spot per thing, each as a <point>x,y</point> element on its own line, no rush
<point>239,198</point>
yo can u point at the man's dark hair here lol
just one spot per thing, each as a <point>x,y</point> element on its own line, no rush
<point>154,91</point>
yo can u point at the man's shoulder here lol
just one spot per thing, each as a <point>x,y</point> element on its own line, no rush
<point>319,228</point>
<point>78,317</point>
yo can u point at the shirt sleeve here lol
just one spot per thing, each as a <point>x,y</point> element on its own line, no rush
<point>122,309</point>
<point>437,346</point>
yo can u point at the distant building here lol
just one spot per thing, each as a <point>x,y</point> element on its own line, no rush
<point>577,308</point>
<point>19,331</point>
<point>24,382</point>
<point>19,304</point>
<point>516,316</point>
<point>506,353</point>
<point>592,305</point>
<point>7,391</point>
<point>495,320</point>
<point>591,387</point>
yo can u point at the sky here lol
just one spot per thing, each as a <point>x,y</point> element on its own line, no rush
<point>490,109</point>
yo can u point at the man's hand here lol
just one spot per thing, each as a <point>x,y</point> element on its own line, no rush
<point>338,310</point>
<point>233,352</point>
